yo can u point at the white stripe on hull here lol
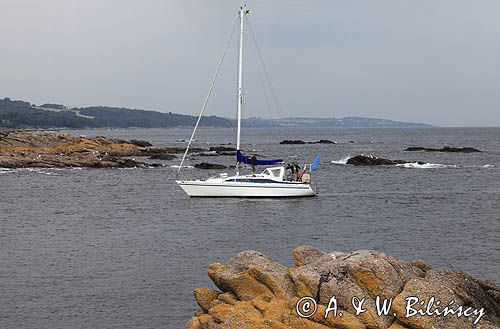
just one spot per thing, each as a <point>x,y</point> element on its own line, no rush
<point>235,189</point>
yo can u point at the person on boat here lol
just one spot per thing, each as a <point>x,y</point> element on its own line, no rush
<point>288,169</point>
<point>297,172</point>
<point>294,169</point>
<point>253,163</point>
<point>301,174</point>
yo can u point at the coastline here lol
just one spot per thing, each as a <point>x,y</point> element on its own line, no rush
<point>353,290</point>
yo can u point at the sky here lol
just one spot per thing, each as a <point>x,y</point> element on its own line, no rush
<point>431,61</point>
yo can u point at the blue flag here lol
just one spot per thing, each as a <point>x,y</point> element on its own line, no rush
<point>315,163</point>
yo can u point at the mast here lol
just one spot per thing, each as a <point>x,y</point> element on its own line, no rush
<point>240,82</point>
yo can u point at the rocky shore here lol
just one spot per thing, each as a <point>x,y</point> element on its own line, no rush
<point>20,149</point>
<point>256,292</point>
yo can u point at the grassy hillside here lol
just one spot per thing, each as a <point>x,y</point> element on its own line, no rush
<point>21,114</point>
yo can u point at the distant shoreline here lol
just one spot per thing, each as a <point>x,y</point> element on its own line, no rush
<point>21,114</point>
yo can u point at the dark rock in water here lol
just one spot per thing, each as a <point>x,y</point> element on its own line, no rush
<point>219,150</point>
<point>222,149</point>
<point>140,143</point>
<point>162,157</point>
<point>155,165</point>
<point>444,149</point>
<point>363,160</point>
<point>227,153</point>
<point>299,141</point>
<point>254,290</point>
<point>323,141</point>
<point>152,151</point>
<point>178,150</point>
<point>288,141</point>
<point>206,165</point>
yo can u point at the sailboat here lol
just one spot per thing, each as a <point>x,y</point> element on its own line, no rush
<point>271,182</point>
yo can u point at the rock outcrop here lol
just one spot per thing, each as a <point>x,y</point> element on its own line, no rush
<point>298,141</point>
<point>20,149</point>
<point>444,149</point>
<point>222,149</point>
<point>140,143</point>
<point>163,156</point>
<point>369,160</point>
<point>323,141</point>
<point>257,292</point>
<point>219,150</point>
<point>207,165</point>
<point>295,141</point>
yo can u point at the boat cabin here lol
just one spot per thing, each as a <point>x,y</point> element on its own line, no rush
<point>274,173</point>
<point>269,175</point>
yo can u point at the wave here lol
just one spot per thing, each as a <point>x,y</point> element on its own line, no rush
<point>342,161</point>
<point>410,165</point>
<point>43,171</point>
<point>416,165</point>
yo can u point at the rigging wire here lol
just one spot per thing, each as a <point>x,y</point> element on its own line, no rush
<point>262,82</point>
<point>273,93</point>
<point>208,95</point>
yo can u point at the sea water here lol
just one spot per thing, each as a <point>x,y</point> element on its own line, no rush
<point>124,248</point>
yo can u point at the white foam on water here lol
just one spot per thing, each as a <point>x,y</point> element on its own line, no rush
<point>488,166</point>
<point>342,161</point>
<point>43,171</point>
<point>416,165</point>
<point>176,166</point>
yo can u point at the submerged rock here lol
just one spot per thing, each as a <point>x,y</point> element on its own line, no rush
<point>207,165</point>
<point>364,160</point>
<point>444,149</point>
<point>257,292</point>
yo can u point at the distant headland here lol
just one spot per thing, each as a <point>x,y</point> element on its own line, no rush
<point>18,114</point>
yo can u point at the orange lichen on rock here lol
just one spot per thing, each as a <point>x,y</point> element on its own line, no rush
<point>20,149</point>
<point>256,292</point>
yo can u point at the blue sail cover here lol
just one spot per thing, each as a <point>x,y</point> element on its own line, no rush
<point>248,160</point>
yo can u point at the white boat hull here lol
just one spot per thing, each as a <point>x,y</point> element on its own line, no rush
<point>249,190</point>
